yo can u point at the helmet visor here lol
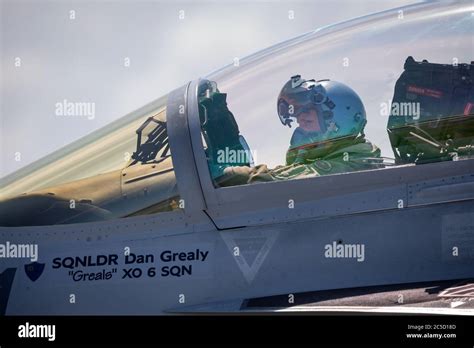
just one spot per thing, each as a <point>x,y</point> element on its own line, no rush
<point>286,110</point>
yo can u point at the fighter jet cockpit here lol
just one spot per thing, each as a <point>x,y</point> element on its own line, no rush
<point>430,119</point>
<point>395,92</point>
<point>357,97</point>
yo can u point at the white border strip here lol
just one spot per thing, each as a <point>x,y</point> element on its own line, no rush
<point>388,310</point>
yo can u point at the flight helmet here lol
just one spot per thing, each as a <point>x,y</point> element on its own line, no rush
<point>339,109</point>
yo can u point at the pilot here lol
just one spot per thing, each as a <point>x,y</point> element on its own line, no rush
<point>329,138</point>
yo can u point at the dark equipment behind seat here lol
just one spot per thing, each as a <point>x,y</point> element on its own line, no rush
<point>219,128</point>
<point>444,128</point>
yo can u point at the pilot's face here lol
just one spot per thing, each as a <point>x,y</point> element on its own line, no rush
<point>308,121</point>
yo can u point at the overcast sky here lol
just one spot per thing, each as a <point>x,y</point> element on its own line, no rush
<point>120,55</point>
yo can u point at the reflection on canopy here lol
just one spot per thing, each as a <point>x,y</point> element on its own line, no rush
<point>100,178</point>
<point>104,150</point>
<point>367,54</point>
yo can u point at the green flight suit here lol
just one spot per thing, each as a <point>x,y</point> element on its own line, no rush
<point>347,156</point>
